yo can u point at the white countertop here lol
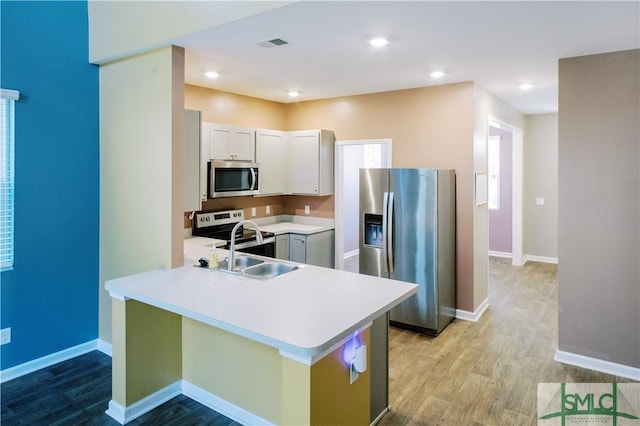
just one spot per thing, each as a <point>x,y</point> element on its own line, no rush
<point>294,228</point>
<point>197,247</point>
<point>285,224</point>
<point>303,313</point>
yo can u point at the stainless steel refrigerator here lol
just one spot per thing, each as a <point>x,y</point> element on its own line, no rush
<point>407,233</point>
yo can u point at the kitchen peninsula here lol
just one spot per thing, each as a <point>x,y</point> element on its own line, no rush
<point>275,351</point>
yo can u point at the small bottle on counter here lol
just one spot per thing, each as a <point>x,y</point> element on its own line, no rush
<point>213,257</point>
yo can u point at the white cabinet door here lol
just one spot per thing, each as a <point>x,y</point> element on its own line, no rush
<point>311,162</point>
<point>320,249</point>
<point>304,148</point>
<point>271,156</point>
<point>297,248</point>
<point>282,246</point>
<point>243,144</point>
<point>231,143</point>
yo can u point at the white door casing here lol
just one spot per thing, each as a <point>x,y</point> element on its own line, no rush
<point>339,189</point>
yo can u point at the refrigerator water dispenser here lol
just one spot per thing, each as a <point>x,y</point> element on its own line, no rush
<point>373,230</point>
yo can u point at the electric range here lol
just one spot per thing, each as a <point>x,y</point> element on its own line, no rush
<point>219,225</point>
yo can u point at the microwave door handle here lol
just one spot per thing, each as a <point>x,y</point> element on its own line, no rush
<point>389,241</point>
<point>253,178</point>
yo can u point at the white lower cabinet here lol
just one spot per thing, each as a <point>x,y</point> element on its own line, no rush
<point>313,249</point>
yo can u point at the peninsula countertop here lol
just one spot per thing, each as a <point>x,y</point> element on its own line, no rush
<point>303,313</point>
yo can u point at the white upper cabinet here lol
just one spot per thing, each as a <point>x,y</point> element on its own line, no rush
<point>231,143</point>
<point>271,156</point>
<point>311,162</point>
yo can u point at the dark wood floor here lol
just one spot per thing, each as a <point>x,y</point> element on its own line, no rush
<point>77,392</point>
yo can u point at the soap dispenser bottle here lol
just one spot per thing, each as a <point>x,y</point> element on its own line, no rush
<point>213,257</point>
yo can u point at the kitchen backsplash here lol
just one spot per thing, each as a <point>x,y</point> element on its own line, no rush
<point>286,204</point>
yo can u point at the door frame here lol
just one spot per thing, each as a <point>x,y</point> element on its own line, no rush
<point>517,211</point>
<point>339,189</point>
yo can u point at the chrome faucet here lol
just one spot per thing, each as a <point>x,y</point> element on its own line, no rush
<point>231,259</point>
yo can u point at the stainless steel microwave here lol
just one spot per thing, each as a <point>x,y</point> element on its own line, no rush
<point>232,178</point>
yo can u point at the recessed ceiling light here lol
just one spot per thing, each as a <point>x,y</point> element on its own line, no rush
<point>211,74</point>
<point>293,94</point>
<point>437,74</point>
<point>378,42</point>
<point>525,86</point>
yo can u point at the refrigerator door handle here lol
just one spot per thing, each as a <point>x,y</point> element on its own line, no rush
<point>385,238</point>
<point>389,233</point>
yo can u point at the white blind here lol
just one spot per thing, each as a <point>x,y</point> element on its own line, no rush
<point>7,100</point>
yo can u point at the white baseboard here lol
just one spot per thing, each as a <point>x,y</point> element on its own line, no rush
<point>542,259</point>
<point>222,406</point>
<point>473,316</point>
<point>351,253</point>
<point>47,361</point>
<point>500,254</point>
<point>124,415</point>
<point>595,364</point>
<point>525,258</point>
<point>105,347</point>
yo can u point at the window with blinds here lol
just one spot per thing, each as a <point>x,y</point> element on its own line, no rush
<point>7,98</point>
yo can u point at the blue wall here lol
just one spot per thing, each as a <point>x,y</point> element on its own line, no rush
<point>50,298</point>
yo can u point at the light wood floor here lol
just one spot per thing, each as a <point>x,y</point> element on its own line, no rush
<point>485,373</point>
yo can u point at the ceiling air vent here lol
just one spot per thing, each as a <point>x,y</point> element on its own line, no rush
<point>276,42</point>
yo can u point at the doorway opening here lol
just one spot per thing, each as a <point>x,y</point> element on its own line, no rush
<point>351,156</point>
<point>505,185</point>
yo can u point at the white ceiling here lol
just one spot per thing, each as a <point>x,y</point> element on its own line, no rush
<point>496,44</point>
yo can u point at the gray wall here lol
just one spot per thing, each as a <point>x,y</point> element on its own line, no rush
<point>599,209</point>
<point>541,181</point>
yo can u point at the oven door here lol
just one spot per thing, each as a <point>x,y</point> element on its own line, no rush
<point>266,249</point>
<point>232,178</point>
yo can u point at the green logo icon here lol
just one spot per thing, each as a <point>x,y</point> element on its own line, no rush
<point>589,403</point>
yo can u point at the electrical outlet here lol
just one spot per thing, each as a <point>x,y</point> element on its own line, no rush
<point>353,373</point>
<point>253,211</point>
<point>540,201</point>
<point>5,336</point>
<point>307,210</point>
<point>268,209</point>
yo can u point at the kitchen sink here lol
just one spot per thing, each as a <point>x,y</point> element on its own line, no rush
<point>240,263</point>
<point>268,270</point>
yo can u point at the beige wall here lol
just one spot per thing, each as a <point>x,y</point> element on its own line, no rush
<point>430,127</point>
<point>141,168</point>
<point>599,207</point>
<point>235,110</point>
<point>541,181</point>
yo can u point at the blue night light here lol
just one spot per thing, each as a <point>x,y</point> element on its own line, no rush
<point>349,349</point>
